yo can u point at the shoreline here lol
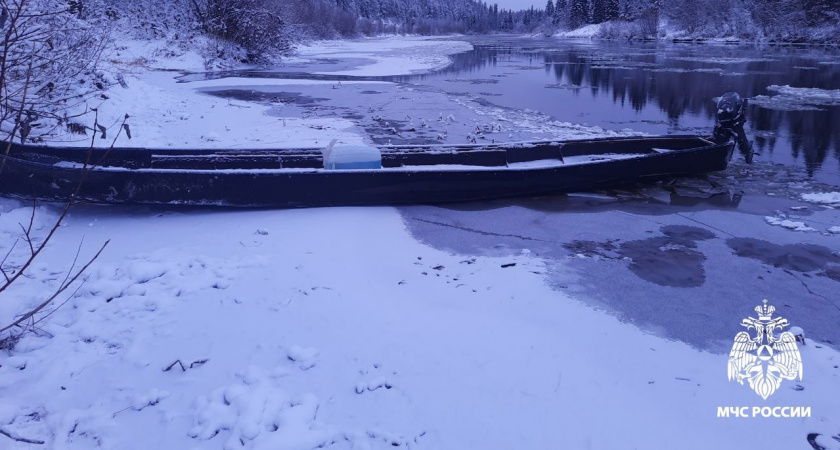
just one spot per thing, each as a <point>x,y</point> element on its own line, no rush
<point>709,41</point>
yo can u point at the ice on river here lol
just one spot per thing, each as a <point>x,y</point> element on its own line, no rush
<point>813,95</point>
<point>789,98</point>
<point>720,59</point>
<point>787,223</point>
<point>823,198</point>
<point>387,56</point>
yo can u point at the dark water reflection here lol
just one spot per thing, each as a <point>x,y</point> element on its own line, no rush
<point>660,88</point>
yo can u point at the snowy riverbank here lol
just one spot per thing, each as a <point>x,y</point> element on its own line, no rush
<point>333,327</point>
<point>667,32</point>
<point>165,113</point>
<point>349,328</point>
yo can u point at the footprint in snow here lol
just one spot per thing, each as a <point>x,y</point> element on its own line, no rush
<point>374,383</point>
<point>254,412</point>
<point>306,358</point>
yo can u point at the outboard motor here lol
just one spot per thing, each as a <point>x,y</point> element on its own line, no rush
<point>731,116</point>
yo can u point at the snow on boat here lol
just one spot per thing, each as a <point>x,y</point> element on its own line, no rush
<point>351,176</point>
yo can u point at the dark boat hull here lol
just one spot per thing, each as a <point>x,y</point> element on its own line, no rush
<point>32,172</point>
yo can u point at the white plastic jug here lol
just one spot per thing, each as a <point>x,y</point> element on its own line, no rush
<point>352,157</point>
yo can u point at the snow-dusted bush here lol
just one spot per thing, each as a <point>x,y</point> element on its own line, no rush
<point>709,18</point>
<point>259,27</point>
<point>48,66</point>
<point>142,19</point>
<point>621,29</point>
<point>798,21</point>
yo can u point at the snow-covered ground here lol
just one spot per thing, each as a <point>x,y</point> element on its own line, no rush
<point>387,56</point>
<point>623,30</point>
<point>336,327</point>
<point>165,112</point>
<point>590,31</point>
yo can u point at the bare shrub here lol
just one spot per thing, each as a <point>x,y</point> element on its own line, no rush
<point>48,66</point>
<point>14,268</point>
<point>260,27</point>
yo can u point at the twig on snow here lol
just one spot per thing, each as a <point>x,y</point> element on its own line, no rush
<point>177,361</point>
<point>20,439</point>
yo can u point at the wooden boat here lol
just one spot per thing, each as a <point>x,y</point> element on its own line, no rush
<point>297,178</point>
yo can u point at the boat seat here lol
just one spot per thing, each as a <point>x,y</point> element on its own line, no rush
<point>533,153</point>
<point>216,162</point>
<point>486,158</point>
<point>222,161</point>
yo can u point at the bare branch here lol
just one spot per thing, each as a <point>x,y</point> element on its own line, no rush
<point>27,238</point>
<point>45,52</point>
<point>69,297</point>
<point>31,314</point>
<point>75,259</point>
<point>28,230</point>
<point>40,247</point>
<point>2,263</point>
<point>122,125</point>
<point>20,439</point>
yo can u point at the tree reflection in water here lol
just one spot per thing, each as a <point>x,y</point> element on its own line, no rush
<point>679,80</point>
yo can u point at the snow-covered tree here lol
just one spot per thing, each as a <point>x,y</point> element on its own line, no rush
<point>579,13</point>
<point>780,18</point>
<point>611,9</point>
<point>560,12</point>
<point>599,11</point>
<point>645,13</point>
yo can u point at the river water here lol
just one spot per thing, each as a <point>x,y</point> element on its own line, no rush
<point>664,88</point>
<point>657,88</point>
<point>671,262</point>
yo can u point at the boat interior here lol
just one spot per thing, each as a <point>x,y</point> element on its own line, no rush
<point>496,155</point>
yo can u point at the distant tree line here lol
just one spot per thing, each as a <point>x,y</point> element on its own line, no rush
<point>266,28</point>
<point>263,28</point>
<point>258,30</point>
<point>437,17</point>
<point>782,20</point>
<point>785,20</point>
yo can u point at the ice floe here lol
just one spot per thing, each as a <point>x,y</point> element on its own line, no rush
<point>568,86</point>
<point>789,224</point>
<point>681,70</point>
<point>387,56</point>
<point>721,60</point>
<point>824,198</point>
<point>789,98</point>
